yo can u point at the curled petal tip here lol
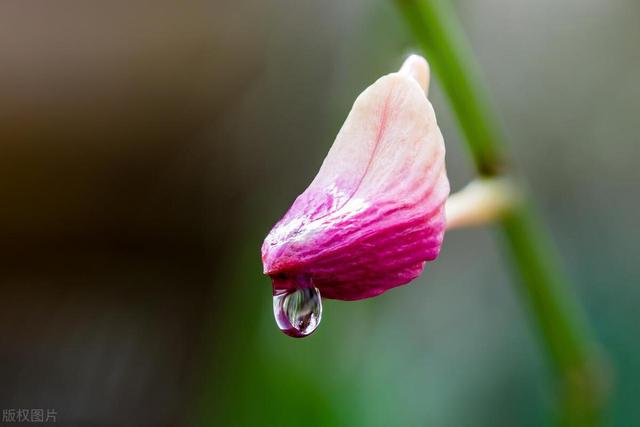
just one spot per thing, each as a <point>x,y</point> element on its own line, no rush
<point>417,67</point>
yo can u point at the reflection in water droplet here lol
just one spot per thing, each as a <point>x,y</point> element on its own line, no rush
<point>298,312</point>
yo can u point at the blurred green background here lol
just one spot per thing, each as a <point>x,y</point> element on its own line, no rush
<point>148,147</point>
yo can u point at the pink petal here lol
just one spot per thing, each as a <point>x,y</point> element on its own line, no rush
<point>375,212</point>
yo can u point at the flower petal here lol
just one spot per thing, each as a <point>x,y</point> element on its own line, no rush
<point>375,212</point>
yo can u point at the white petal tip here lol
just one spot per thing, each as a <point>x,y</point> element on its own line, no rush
<point>417,68</point>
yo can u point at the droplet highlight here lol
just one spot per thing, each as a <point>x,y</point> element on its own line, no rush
<point>297,311</point>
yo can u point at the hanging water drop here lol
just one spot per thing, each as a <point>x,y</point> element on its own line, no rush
<point>298,311</point>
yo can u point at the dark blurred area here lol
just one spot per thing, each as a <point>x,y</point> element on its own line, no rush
<point>113,181</point>
<point>147,147</point>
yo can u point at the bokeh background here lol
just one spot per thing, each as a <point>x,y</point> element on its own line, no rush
<point>147,147</point>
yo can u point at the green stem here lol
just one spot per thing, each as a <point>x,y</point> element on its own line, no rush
<point>569,346</point>
<point>439,36</point>
<point>553,307</point>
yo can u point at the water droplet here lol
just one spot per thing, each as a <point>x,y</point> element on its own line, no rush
<point>297,311</point>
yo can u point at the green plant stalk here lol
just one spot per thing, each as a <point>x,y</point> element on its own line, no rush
<point>553,307</point>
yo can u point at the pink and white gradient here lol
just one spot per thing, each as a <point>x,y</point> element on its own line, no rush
<point>374,214</point>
